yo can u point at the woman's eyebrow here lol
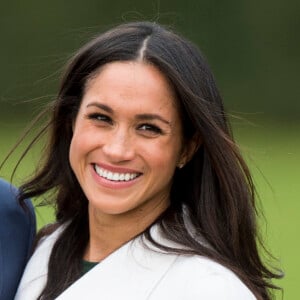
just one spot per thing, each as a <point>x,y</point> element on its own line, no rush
<point>150,117</point>
<point>140,117</point>
<point>101,106</point>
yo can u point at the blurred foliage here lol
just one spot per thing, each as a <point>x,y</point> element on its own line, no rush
<point>252,46</point>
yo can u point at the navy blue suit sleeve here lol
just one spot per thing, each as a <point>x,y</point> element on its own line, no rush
<point>17,232</point>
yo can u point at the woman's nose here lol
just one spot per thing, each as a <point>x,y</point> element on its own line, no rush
<point>119,146</point>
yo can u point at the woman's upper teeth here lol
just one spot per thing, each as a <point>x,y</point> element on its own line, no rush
<point>115,176</point>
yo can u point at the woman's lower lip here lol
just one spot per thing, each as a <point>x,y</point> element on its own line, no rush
<point>112,184</point>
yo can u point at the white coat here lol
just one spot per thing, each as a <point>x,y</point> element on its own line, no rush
<point>137,272</point>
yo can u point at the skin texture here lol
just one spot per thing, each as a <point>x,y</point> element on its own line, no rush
<point>127,123</point>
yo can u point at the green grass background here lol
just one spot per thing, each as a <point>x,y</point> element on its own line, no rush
<point>272,151</point>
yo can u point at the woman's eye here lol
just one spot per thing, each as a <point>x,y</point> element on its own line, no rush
<point>150,128</point>
<point>100,117</point>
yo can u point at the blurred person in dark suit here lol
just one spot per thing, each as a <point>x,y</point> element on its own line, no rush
<point>17,232</point>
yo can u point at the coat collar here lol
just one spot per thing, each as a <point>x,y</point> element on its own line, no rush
<point>131,272</point>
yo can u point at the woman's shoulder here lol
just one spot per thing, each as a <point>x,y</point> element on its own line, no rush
<point>46,243</point>
<point>198,277</point>
<point>35,274</point>
<point>46,238</point>
<point>202,265</point>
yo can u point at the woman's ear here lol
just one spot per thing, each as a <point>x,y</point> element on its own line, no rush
<point>189,150</point>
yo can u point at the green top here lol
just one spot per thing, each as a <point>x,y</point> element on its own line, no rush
<point>87,266</point>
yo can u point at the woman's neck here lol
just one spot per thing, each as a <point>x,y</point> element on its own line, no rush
<point>109,233</point>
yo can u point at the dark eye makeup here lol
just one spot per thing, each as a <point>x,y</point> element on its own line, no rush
<point>99,117</point>
<point>151,128</point>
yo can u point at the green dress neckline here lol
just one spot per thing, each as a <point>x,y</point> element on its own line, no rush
<point>87,266</point>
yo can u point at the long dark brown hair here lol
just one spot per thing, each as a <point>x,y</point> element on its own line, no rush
<point>214,188</point>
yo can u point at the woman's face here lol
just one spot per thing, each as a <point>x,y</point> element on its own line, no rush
<point>127,141</point>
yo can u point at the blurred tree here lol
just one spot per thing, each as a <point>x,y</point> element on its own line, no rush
<point>252,46</point>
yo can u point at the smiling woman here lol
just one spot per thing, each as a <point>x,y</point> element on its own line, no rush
<point>153,198</point>
<point>126,144</point>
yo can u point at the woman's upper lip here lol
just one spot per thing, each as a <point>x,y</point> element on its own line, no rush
<point>115,169</point>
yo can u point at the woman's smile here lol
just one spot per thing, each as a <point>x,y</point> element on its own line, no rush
<point>115,176</point>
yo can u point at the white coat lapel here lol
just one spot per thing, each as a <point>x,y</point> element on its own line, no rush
<point>132,272</point>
